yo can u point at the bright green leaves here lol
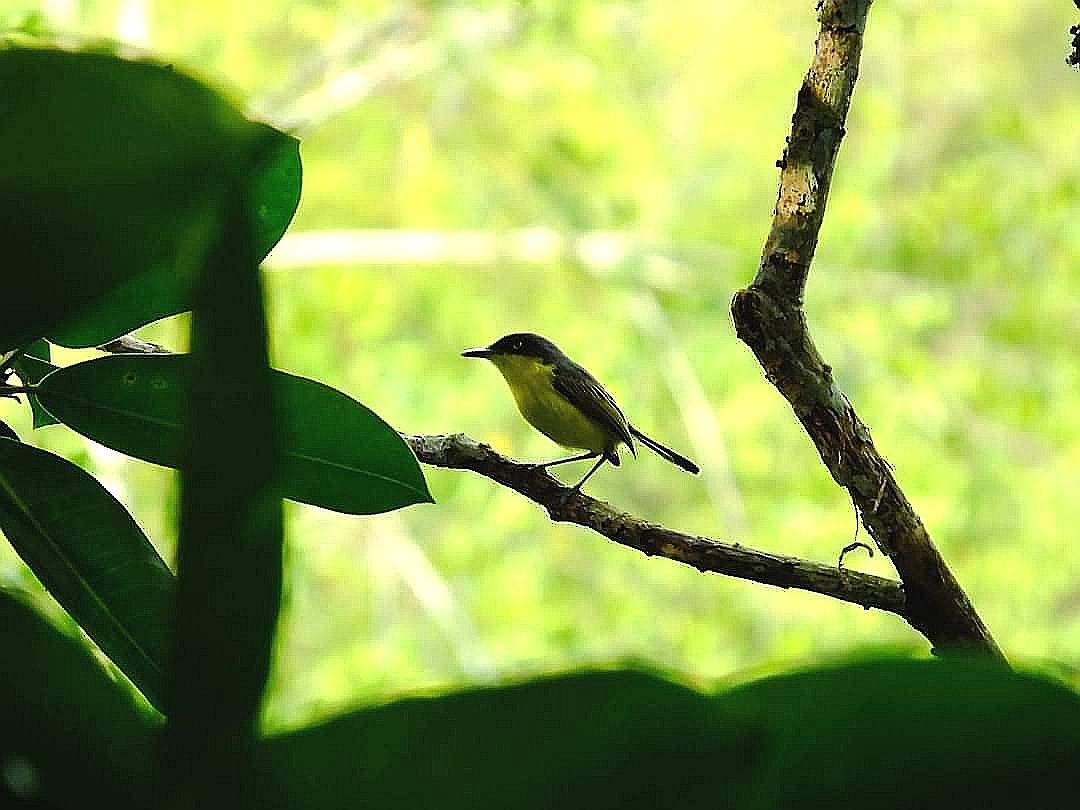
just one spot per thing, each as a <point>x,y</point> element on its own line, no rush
<point>91,556</point>
<point>336,453</point>
<point>109,168</point>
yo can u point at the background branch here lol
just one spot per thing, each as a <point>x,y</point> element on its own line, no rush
<point>769,318</point>
<point>705,554</point>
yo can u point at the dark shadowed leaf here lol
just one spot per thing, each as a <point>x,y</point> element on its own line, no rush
<point>337,453</point>
<point>884,734</point>
<point>91,556</point>
<point>601,740</point>
<point>927,734</point>
<point>229,552</point>
<point>70,736</point>
<point>165,289</point>
<point>108,167</point>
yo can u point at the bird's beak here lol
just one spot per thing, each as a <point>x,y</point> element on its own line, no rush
<point>482,353</point>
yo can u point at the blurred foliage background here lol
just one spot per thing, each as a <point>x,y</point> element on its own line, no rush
<point>603,173</point>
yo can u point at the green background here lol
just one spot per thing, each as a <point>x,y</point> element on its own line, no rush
<point>604,174</point>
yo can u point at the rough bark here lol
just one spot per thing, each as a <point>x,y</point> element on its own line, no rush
<point>703,553</point>
<point>770,319</point>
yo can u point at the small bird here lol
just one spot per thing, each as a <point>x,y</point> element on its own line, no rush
<point>565,402</point>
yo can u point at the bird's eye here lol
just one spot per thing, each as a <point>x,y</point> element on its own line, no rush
<point>517,345</point>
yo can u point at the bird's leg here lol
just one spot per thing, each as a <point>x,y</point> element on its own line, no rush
<point>595,467</point>
<point>546,464</point>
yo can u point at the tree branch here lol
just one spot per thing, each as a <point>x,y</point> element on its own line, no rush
<point>769,318</point>
<point>705,554</point>
<point>572,506</point>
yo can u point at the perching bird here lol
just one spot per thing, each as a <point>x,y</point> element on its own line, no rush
<point>565,402</point>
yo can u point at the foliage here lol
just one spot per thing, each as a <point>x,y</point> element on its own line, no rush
<point>336,453</point>
<point>898,731</point>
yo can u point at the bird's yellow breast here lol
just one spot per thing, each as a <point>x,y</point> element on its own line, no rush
<point>546,409</point>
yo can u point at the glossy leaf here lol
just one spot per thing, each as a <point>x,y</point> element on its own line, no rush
<point>31,366</point>
<point>91,556</point>
<point>109,167</point>
<point>340,455</point>
<point>273,194</point>
<point>70,735</point>
<point>337,453</point>
<point>165,289</point>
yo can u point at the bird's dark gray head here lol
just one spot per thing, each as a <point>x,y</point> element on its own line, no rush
<point>525,344</point>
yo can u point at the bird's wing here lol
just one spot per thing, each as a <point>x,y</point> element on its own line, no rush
<point>586,393</point>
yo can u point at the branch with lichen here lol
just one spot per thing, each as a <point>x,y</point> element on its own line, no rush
<point>770,319</point>
<point>568,505</point>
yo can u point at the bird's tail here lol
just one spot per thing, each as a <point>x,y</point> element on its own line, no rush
<point>665,452</point>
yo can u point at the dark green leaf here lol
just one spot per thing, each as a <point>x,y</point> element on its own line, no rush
<point>274,194</point>
<point>926,734</point>
<point>91,556</point>
<point>109,167</point>
<point>598,740</point>
<point>229,552</point>
<point>131,403</point>
<point>884,734</point>
<point>39,349</point>
<point>158,293</point>
<point>70,736</point>
<point>7,432</point>
<point>338,453</point>
<point>165,290</point>
<point>31,366</point>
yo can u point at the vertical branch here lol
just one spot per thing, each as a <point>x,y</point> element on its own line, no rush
<point>769,318</point>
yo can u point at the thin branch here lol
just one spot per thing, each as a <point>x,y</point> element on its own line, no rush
<point>566,505</point>
<point>129,344</point>
<point>705,554</point>
<point>7,360</point>
<point>769,318</point>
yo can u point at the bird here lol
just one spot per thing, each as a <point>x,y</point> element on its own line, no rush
<point>566,403</point>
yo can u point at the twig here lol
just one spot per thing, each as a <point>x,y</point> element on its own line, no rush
<point>705,554</point>
<point>7,360</point>
<point>769,318</point>
<point>129,344</point>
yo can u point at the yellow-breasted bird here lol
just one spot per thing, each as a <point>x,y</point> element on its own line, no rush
<point>565,402</point>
